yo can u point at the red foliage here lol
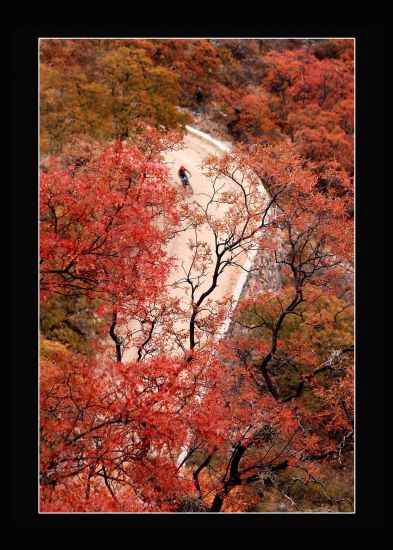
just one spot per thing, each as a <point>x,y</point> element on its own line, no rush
<point>99,231</point>
<point>307,98</point>
<point>113,432</point>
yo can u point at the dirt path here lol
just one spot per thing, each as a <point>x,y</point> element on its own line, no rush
<point>233,278</point>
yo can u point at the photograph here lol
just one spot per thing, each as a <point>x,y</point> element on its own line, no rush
<point>196,231</point>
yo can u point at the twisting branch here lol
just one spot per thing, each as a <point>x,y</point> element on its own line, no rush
<point>115,338</point>
<point>330,363</point>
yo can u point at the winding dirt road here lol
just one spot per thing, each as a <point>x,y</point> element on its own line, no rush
<point>197,148</point>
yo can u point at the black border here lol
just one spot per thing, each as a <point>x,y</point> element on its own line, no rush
<point>22,453</point>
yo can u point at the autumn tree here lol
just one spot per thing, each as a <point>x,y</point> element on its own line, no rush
<point>106,214</point>
<point>310,236</point>
<point>97,90</point>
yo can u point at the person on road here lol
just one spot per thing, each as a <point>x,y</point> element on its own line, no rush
<point>182,173</point>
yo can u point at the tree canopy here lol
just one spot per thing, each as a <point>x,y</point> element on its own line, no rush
<point>146,406</point>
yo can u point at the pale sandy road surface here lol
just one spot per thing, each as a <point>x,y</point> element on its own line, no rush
<point>195,151</point>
